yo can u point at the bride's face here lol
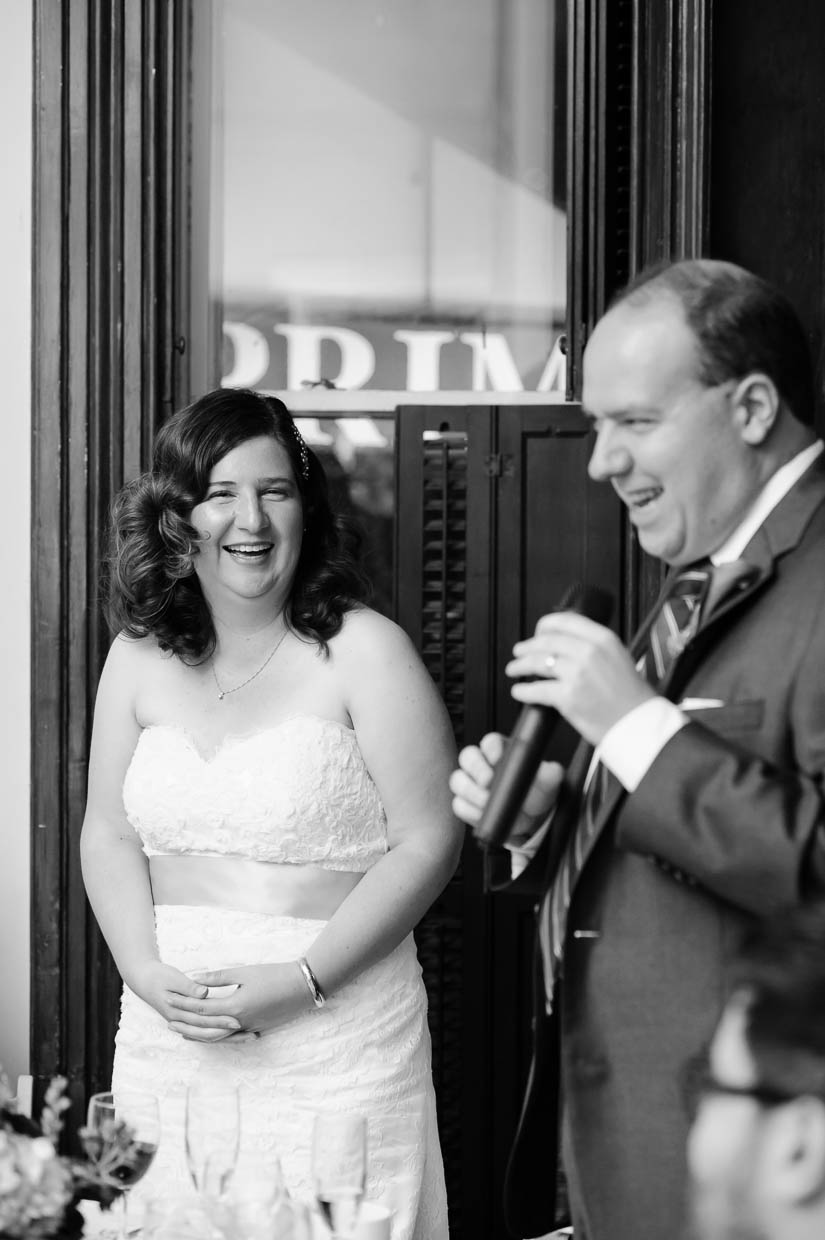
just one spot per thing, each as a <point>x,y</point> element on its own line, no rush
<point>251,520</point>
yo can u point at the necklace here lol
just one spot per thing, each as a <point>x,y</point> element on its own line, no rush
<point>223,692</point>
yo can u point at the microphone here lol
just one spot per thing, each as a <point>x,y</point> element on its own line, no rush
<point>525,748</point>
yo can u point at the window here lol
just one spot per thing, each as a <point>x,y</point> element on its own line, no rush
<point>388,194</point>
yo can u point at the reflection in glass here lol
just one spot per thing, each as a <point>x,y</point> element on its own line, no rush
<point>390,210</point>
<point>358,455</point>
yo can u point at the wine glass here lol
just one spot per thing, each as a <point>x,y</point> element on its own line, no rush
<point>257,1192</point>
<point>121,1138</point>
<point>212,1134</point>
<point>339,1169</point>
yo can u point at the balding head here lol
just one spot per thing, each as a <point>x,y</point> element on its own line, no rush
<point>741,322</point>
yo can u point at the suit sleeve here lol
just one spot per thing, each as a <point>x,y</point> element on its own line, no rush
<point>737,803</point>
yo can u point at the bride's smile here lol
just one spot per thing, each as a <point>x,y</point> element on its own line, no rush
<point>250,522</point>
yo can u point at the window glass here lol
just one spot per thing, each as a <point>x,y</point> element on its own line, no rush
<point>358,456</point>
<point>388,204</point>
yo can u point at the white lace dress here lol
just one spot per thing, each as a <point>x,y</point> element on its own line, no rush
<point>298,792</point>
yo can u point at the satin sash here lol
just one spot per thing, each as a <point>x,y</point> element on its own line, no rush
<point>251,886</point>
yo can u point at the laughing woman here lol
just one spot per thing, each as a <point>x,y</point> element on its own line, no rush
<point>268,809</point>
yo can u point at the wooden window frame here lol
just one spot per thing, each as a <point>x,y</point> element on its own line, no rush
<point>118,342</point>
<point>111,209</point>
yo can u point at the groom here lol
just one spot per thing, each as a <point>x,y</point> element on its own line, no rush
<point>707,805</point>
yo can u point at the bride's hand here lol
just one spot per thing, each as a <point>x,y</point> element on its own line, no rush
<point>164,988</point>
<point>266,995</point>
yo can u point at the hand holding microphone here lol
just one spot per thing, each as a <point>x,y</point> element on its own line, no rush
<point>515,770</point>
<point>471,782</point>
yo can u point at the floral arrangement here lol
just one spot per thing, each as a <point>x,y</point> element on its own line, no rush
<point>40,1188</point>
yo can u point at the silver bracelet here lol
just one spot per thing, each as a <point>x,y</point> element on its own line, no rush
<point>318,996</point>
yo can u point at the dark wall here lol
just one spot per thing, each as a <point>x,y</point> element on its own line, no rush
<point>767,200</point>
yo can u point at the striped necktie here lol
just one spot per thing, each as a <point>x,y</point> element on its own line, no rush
<point>676,620</point>
<point>674,623</point>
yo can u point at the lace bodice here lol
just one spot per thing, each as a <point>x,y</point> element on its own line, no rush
<point>298,792</point>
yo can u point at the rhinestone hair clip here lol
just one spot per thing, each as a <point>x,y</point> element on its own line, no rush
<point>302,448</point>
<point>303,452</point>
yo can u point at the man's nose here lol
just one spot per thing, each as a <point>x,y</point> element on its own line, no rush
<point>249,513</point>
<point>610,457</point>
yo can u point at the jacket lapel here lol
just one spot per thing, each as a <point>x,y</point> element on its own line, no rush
<point>736,584</point>
<point>780,533</point>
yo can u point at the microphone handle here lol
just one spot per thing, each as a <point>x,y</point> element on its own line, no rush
<point>523,753</point>
<point>514,772</point>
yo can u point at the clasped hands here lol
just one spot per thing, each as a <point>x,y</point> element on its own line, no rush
<point>266,995</point>
<point>577,667</point>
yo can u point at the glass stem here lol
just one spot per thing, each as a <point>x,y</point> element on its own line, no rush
<point>120,1206</point>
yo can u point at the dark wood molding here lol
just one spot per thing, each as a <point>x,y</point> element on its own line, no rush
<point>638,155</point>
<point>599,180</point>
<point>108,211</point>
<point>48,502</point>
<point>768,130</point>
<point>671,127</point>
<point>642,108</point>
<point>670,161</point>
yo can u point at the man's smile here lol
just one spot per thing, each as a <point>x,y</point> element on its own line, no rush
<point>641,498</point>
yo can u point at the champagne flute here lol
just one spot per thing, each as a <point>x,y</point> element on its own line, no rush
<point>212,1134</point>
<point>121,1138</point>
<point>257,1192</point>
<point>339,1169</point>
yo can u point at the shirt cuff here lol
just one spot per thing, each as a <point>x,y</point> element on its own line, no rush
<point>522,854</point>
<point>631,746</point>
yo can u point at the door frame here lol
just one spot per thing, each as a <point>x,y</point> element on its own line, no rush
<point>118,344</point>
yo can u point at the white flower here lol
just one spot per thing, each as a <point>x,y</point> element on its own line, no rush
<point>35,1185</point>
<point>9,1175</point>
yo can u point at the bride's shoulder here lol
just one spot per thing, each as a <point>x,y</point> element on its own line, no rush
<point>368,634</point>
<point>133,668</point>
<point>135,655</point>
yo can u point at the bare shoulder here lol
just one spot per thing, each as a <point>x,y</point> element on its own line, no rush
<point>131,665</point>
<point>367,635</point>
<point>125,674</point>
<point>134,654</point>
<point>382,677</point>
<point>400,721</point>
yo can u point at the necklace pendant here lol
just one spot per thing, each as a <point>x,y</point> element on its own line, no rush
<point>223,692</point>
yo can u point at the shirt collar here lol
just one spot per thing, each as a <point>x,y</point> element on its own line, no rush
<point>774,490</point>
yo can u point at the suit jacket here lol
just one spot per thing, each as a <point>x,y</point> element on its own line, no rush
<point>728,823</point>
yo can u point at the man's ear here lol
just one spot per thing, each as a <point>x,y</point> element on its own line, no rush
<point>798,1151</point>
<point>756,407</point>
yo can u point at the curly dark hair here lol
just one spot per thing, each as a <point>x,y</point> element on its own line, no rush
<point>151,584</point>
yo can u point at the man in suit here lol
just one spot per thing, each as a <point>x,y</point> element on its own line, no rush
<point>756,1150</point>
<point>706,805</point>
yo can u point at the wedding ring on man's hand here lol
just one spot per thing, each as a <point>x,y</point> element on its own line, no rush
<point>550,662</point>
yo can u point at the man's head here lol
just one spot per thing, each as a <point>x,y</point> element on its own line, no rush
<point>699,383</point>
<point>756,1150</point>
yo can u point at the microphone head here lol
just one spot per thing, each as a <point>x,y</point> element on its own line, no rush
<point>590,601</point>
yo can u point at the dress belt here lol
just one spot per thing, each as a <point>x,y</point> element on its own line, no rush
<point>252,886</point>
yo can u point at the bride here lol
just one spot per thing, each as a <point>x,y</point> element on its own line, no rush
<point>268,810</point>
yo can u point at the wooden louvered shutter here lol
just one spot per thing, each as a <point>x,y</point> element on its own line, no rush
<point>495,518</point>
<point>443,566</point>
<point>443,543</point>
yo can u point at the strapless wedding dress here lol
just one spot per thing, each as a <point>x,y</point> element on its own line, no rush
<point>299,793</point>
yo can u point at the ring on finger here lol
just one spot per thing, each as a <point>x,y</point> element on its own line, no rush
<point>550,662</point>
